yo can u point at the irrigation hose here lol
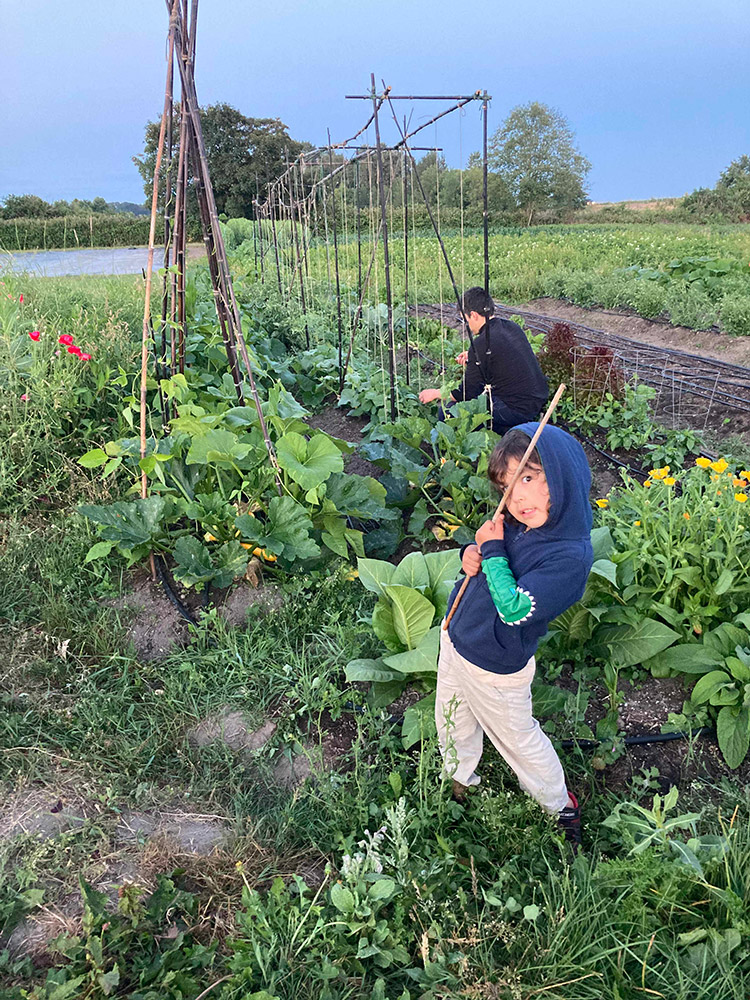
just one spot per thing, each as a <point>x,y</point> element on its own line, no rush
<point>580,741</point>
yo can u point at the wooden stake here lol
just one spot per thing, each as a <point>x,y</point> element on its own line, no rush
<point>509,489</point>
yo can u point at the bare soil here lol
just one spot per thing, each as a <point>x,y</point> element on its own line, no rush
<point>626,323</point>
<point>337,423</point>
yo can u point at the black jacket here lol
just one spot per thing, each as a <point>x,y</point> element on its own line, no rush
<point>501,356</point>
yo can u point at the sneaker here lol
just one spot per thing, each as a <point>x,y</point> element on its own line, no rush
<point>459,792</point>
<point>569,819</point>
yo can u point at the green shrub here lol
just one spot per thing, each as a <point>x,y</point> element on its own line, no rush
<point>70,232</point>
<point>689,306</point>
<point>735,315</point>
<point>647,299</point>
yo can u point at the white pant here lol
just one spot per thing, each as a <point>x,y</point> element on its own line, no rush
<point>471,702</point>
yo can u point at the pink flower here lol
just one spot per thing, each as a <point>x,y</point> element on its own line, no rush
<point>57,354</point>
<point>24,398</point>
<point>74,350</point>
<point>66,338</point>
<point>85,357</point>
<point>35,334</point>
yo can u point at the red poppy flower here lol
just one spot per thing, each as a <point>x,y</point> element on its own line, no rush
<point>85,357</point>
<point>20,299</point>
<point>74,350</point>
<point>66,338</point>
<point>35,334</point>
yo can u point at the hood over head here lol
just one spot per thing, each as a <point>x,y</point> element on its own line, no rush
<point>568,480</point>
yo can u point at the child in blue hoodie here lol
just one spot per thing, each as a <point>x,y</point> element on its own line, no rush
<point>525,569</point>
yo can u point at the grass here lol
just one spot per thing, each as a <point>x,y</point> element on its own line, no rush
<point>479,902</point>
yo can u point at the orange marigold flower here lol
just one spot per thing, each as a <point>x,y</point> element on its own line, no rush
<point>686,516</point>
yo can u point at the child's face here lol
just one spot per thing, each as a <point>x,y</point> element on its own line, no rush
<point>529,501</point>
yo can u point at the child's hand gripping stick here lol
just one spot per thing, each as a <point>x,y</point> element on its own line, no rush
<point>509,489</point>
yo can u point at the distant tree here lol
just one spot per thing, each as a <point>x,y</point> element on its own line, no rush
<point>730,199</point>
<point>535,154</point>
<point>735,180</point>
<point>243,153</point>
<point>25,206</point>
<point>129,207</point>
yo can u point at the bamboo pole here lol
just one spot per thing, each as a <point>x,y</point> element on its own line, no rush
<point>485,213</point>
<point>225,287</point>
<point>151,243</point>
<point>509,489</point>
<point>386,259</point>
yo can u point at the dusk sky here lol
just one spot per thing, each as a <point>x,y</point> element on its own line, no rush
<point>656,92</point>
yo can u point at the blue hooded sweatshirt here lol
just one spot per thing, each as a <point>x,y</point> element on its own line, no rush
<point>533,574</point>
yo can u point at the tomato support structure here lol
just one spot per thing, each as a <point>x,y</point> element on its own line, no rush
<point>297,195</point>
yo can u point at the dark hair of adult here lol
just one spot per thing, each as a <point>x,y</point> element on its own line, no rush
<point>478,301</point>
<point>512,445</point>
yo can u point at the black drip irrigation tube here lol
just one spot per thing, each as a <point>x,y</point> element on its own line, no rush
<point>579,741</point>
<point>166,583</point>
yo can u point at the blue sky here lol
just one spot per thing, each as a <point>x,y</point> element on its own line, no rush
<point>656,92</point>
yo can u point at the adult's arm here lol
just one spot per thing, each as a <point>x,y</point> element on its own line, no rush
<point>472,384</point>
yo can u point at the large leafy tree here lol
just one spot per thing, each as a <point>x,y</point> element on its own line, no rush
<point>243,153</point>
<point>534,152</point>
<point>730,199</point>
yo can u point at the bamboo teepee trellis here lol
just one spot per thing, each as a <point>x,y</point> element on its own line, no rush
<point>192,163</point>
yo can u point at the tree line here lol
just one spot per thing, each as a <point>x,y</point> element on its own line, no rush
<point>536,173</point>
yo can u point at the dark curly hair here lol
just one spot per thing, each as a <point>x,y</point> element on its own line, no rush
<point>512,445</point>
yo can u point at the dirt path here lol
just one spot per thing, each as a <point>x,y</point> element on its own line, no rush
<point>707,343</point>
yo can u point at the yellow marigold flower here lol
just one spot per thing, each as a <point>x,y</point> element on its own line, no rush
<point>602,503</point>
<point>703,462</point>
<point>740,497</point>
<point>745,474</point>
<point>352,574</point>
<point>670,481</point>
<point>686,516</point>
<point>647,483</point>
<point>657,473</point>
<point>720,466</point>
<point>637,524</point>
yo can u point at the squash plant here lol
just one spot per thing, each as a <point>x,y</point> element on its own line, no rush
<point>214,498</point>
<point>442,465</point>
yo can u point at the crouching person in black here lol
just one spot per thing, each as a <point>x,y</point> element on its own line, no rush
<point>501,362</point>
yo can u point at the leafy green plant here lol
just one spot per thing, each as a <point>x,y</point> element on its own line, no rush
<point>721,660</point>
<point>143,949</point>
<point>412,598</point>
<point>683,544</point>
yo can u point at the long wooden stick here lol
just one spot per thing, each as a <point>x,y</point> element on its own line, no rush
<point>509,489</point>
<point>151,243</point>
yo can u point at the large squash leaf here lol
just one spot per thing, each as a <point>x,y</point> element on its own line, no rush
<point>309,463</point>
